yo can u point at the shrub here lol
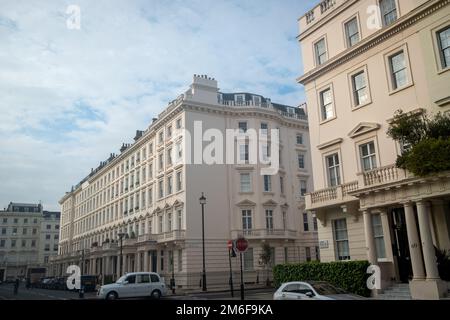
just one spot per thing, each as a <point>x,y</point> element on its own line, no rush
<point>429,141</point>
<point>350,275</point>
<point>428,156</point>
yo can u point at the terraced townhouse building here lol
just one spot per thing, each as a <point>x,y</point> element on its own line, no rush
<point>363,61</point>
<point>150,193</point>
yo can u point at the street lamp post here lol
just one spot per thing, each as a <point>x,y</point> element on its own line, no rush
<point>121,235</point>
<point>203,202</point>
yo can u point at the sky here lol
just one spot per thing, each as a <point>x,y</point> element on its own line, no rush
<point>69,97</point>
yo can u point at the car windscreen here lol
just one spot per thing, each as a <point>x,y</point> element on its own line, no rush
<point>327,289</point>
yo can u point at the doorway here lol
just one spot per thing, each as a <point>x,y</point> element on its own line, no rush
<point>400,246</point>
<point>154,261</point>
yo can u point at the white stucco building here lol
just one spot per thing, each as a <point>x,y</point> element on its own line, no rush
<point>151,191</point>
<point>363,61</point>
<point>28,237</point>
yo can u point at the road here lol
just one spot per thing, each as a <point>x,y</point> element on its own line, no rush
<point>7,293</point>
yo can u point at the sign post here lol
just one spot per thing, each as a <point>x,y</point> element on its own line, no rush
<point>241,246</point>
<point>231,246</point>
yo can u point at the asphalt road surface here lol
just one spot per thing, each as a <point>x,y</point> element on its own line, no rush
<point>7,293</point>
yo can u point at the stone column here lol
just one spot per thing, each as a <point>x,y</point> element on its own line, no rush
<point>146,261</point>
<point>413,240</point>
<point>429,257</point>
<point>442,227</point>
<point>370,241</point>
<point>387,235</point>
<point>124,264</point>
<point>138,262</point>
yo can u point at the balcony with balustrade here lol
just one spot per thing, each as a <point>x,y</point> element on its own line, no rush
<point>330,197</point>
<point>174,235</point>
<point>382,178</point>
<point>264,234</point>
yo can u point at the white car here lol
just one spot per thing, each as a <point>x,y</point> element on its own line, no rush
<point>312,290</point>
<point>132,285</point>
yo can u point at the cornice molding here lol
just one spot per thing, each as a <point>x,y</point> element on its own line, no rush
<point>403,23</point>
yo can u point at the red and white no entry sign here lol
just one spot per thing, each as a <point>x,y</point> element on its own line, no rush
<point>242,244</point>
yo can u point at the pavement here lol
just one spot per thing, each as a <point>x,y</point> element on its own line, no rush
<point>253,293</point>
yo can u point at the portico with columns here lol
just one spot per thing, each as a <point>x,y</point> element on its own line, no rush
<point>396,225</point>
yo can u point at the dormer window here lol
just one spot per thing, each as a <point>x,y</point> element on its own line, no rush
<point>256,100</point>
<point>239,99</point>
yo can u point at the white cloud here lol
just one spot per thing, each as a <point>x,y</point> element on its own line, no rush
<point>68,98</point>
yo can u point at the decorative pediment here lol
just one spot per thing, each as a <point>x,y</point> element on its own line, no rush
<point>167,206</point>
<point>270,203</point>
<point>285,206</point>
<point>177,203</point>
<point>246,203</point>
<point>329,143</point>
<point>157,209</point>
<point>362,128</point>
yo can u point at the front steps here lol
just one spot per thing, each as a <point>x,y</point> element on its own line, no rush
<point>399,291</point>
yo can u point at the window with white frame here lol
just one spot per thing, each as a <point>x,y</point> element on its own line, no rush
<point>299,138</point>
<point>169,156</point>
<point>242,125</point>
<point>169,221</point>
<point>368,156</point>
<point>246,219</point>
<point>169,185</point>
<point>248,259</point>
<point>308,254</point>
<point>179,151</point>
<point>264,128</point>
<point>341,239</point>
<point>352,32</point>
<point>388,10</point>
<point>305,222</point>
<point>398,69</point>
<point>160,189</point>
<point>284,217</point>
<point>180,219</point>
<point>301,160</point>
<point>246,185</point>
<point>443,37</point>
<point>359,88</point>
<point>239,99</point>
<point>267,183</point>
<point>179,180</point>
<point>269,219</point>
<point>303,187</point>
<point>326,104</point>
<point>378,236</point>
<point>333,170</point>
<point>320,49</point>
<point>243,153</point>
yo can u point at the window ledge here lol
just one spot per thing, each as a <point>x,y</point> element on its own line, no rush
<point>392,92</point>
<point>355,108</point>
<point>327,120</point>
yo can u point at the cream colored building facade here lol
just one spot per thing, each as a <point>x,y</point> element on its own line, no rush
<point>28,237</point>
<point>152,188</point>
<point>356,75</point>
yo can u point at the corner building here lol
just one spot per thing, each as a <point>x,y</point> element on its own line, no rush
<point>150,192</point>
<point>363,60</point>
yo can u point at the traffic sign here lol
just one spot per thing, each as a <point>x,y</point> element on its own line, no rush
<point>242,244</point>
<point>230,244</point>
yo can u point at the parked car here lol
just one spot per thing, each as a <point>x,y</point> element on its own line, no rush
<point>136,284</point>
<point>89,282</point>
<point>312,290</point>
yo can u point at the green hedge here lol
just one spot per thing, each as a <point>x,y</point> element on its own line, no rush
<point>349,275</point>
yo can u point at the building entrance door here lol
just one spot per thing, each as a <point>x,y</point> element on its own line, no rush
<point>154,261</point>
<point>2,274</point>
<point>401,245</point>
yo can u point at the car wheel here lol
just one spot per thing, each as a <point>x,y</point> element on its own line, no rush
<point>111,296</point>
<point>156,294</point>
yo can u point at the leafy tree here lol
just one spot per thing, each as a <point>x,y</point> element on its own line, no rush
<point>428,140</point>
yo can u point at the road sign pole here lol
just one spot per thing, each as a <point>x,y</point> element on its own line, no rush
<point>242,279</point>
<point>231,274</point>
